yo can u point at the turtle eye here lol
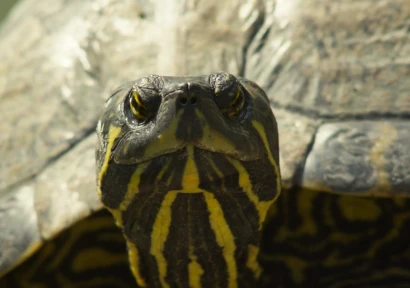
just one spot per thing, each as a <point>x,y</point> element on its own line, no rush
<point>141,105</point>
<point>231,101</point>
<point>229,94</point>
<point>237,103</point>
<point>137,106</point>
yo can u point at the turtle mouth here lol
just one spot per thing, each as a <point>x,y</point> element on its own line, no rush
<point>131,150</point>
<point>199,147</point>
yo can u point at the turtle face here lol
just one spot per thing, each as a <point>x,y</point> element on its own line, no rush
<point>188,166</point>
<point>160,115</point>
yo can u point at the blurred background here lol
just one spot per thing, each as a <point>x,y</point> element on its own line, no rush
<point>5,6</point>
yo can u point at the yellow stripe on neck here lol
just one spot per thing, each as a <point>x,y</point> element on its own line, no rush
<point>159,235</point>
<point>134,257</point>
<point>195,270</point>
<point>224,237</point>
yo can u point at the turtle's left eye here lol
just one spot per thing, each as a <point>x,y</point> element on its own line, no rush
<point>137,106</point>
<point>231,101</point>
<point>229,95</point>
<point>237,103</point>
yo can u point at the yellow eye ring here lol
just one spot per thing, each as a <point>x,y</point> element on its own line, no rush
<point>137,107</point>
<point>237,103</point>
<point>137,98</point>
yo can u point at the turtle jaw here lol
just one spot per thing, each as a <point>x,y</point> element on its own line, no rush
<point>185,208</point>
<point>235,154</point>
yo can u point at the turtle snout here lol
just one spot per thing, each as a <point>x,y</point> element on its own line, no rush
<point>187,97</point>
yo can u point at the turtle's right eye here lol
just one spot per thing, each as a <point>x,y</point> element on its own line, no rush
<point>141,104</point>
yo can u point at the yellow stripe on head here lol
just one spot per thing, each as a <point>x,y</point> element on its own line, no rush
<point>262,133</point>
<point>113,133</point>
<point>137,99</point>
<point>190,177</point>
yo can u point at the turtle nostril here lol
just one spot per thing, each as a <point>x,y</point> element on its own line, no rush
<point>183,100</point>
<point>193,100</point>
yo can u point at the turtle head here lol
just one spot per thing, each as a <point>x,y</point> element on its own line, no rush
<point>189,167</point>
<point>156,115</point>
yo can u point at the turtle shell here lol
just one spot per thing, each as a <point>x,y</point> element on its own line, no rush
<point>337,78</point>
<point>338,83</point>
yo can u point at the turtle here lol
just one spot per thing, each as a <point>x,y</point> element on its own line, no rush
<point>336,78</point>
